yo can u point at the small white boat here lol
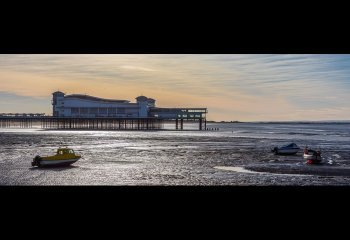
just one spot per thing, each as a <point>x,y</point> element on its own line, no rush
<point>312,156</point>
<point>289,149</point>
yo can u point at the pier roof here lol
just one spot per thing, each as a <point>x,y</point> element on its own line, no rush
<point>91,98</point>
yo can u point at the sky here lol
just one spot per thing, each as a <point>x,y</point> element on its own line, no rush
<point>234,87</point>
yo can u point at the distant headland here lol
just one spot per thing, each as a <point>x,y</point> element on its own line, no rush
<point>224,122</point>
<point>288,122</point>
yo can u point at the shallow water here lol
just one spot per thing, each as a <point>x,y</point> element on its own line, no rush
<point>179,157</point>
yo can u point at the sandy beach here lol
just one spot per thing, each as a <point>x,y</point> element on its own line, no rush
<point>179,157</point>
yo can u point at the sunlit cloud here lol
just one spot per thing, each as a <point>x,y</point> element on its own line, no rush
<point>232,86</point>
<point>133,68</point>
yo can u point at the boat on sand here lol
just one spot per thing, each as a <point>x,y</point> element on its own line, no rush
<point>288,149</point>
<point>63,157</point>
<point>312,156</point>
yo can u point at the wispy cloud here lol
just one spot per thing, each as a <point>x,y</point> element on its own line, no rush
<point>133,68</point>
<point>243,87</point>
<point>13,103</point>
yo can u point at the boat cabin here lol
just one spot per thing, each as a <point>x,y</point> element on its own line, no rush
<point>64,151</point>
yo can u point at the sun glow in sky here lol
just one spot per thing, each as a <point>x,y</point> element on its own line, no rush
<point>232,86</point>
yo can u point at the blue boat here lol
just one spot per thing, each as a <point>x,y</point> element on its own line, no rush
<point>289,149</point>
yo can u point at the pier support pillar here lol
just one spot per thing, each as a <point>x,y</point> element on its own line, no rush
<point>181,124</point>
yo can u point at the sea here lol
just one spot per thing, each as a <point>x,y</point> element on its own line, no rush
<point>226,154</point>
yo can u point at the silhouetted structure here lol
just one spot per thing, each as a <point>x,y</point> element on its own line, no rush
<point>77,111</point>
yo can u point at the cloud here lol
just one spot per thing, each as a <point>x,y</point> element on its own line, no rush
<point>12,103</point>
<point>232,86</point>
<point>137,68</point>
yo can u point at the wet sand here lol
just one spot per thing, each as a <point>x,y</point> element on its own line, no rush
<point>170,158</point>
<point>305,169</point>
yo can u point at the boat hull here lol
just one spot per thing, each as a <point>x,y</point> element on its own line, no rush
<point>287,151</point>
<point>57,163</point>
<point>312,159</point>
<point>40,162</point>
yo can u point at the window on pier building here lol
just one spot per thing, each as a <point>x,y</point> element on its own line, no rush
<point>121,110</point>
<point>112,111</point>
<point>93,110</point>
<point>102,110</point>
<point>84,110</point>
<point>74,110</point>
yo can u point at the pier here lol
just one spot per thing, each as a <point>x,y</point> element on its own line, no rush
<point>179,115</point>
<point>102,123</point>
<point>48,122</point>
<point>76,123</point>
<point>70,123</point>
<point>96,123</point>
<point>78,111</point>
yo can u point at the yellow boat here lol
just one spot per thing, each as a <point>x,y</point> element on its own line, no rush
<point>63,157</point>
